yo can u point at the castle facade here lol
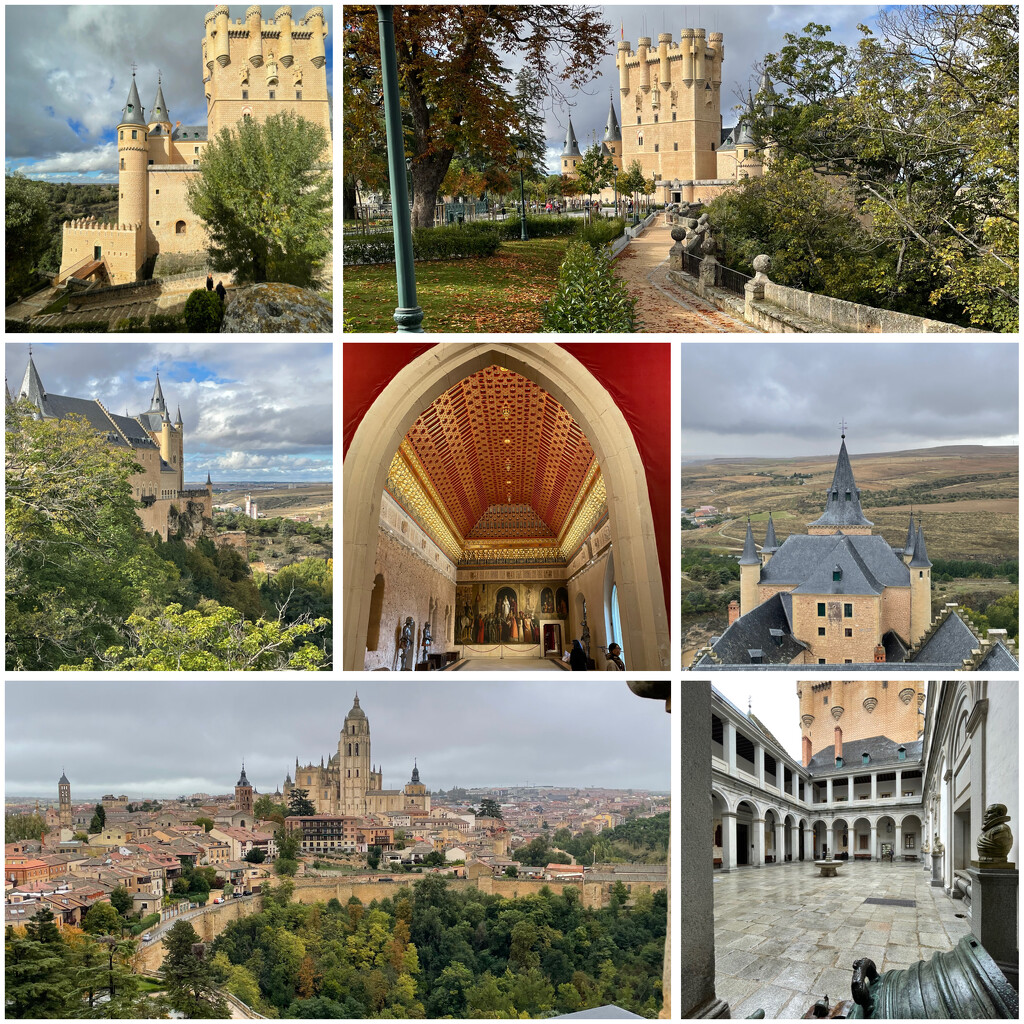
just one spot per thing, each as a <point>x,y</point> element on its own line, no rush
<point>671,120</point>
<point>251,69</point>
<point>157,444</point>
<point>349,784</point>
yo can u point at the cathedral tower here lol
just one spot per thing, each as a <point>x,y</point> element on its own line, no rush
<point>133,154</point>
<point>354,760</point>
<point>243,793</point>
<point>64,800</point>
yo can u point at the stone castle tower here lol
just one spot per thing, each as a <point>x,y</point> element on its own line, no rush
<point>64,801</point>
<point>842,713</point>
<point>251,69</point>
<point>243,793</point>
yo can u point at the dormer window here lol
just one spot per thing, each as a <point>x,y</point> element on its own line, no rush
<point>837,574</point>
<point>847,495</point>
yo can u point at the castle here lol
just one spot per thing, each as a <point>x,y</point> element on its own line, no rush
<point>674,93</point>
<point>842,595</point>
<point>157,444</point>
<point>349,784</point>
<point>251,69</point>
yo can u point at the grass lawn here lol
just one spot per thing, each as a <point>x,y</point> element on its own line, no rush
<point>501,293</point>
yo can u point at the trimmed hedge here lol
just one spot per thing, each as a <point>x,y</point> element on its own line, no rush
<point>601,232</point>
<point>147,922</point>
<point>167,323</point>
<point>589,298</point>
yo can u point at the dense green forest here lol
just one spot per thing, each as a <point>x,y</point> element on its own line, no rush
<point>638,840</point>
<point>440,953</point>
<point>88,588</point>
<point>35,211</point>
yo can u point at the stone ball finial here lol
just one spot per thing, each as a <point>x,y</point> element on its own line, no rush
<point>762,263</point>
<point>678,233</point>
<point>996,839</point>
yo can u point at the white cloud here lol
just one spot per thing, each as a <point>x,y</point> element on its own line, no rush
<point>100,158</point>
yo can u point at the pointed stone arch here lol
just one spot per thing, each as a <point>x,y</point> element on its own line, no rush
<point>646,637</point>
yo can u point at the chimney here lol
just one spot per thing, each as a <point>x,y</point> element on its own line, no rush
<point>879,654</point>
<point>807,750</point>
<point>734,611</point>
<point>839,743</point>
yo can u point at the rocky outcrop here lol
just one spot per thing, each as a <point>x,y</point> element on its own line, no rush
<point>277,308</point>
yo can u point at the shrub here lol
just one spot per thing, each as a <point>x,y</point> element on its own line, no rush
<point>541,227</point>
<point>589,298</point>
<point>600,232</point>
<point>166,323</point>
<point>16,327</point>
<point>147,922</point>
<point>446,243</point>
<point>203,312</point>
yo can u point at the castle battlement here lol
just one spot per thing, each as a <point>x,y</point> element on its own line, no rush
<point>688,45</point>
<point>99,227</point>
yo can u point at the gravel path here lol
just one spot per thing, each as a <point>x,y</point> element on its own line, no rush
<point>664,306</point>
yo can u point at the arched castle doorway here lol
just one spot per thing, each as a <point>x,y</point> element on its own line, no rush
<point>421,382</point>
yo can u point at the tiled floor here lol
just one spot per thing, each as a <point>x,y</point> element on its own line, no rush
<point>784,937</point>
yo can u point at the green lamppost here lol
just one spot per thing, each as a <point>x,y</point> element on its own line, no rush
<point>408,315</point>
<point>520,156</point>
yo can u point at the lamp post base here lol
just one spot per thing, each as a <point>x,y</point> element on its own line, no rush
<point>409,320</point>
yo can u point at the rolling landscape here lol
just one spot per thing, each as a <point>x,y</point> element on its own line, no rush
<point>966,497</point>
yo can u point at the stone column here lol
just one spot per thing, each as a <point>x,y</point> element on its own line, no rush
<point>697,996</point>
<point>757,835</point>
<point>828,790</point>
<point>808,844</point>
<point>728,840</point>
<point>937,853</point>
<point>897,843</point>
<point>899,784</point>
<point>874,786</point>
<point>780,843</point>
<point>794,843</point>
<point>874,841</point>
<point>759,764</point>
<point>837,840</point>
<point>729,742</point>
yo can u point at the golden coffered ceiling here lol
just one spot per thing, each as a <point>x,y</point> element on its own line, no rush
<point>498,439</point>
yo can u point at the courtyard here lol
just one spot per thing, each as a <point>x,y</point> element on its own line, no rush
<point>785,937</point>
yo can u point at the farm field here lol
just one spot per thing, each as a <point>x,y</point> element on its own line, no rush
<point>311,500</point>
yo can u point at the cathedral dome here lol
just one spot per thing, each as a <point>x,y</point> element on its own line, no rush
<point>357,711</point>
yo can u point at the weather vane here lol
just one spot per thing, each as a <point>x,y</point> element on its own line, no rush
<point>134,66</point>
<point>842,428</point>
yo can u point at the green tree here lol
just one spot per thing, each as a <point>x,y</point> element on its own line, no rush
<point>99,818</point>
<point>207,823</point>
<point>121,900</point>
<point>266,810</point>
<point>434,859</point>
<point>589,298</point>
<point>77,560</point>
<point>36,977</point>
<point>594,171</point>
<point>489,808</point>
<point>102,919</point>
<point>28,236</point>
<point>23,826</point>
<point>373,857</point>
<point>453,62</point>
<point>299,803</point>
<point>214,638</point>
<point>264,194</point>
<point>634,182</point>
<point>255,856</point>
<point>189,975</point>
<point>922,119</point>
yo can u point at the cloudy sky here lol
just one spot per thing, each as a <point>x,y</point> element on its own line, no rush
<point>750,31</point>
<point>68,72</point>
<point>782,400</point>
<point>774,702</point>
<point>252,411</point>
<point>128,737</point>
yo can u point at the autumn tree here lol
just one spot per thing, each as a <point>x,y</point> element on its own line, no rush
<point>456,82</point>
<point>594,171</point>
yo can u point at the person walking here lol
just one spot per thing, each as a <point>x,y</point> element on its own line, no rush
<point>221,291</point>
<point>209,282</point>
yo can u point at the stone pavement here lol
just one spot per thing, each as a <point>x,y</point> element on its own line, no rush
<point>663,306</point>
<point>785,937</point>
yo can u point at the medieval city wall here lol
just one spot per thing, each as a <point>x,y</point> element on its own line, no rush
<point>123,248</point>
<point>409,585</point>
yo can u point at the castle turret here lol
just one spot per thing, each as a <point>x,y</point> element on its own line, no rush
<point>686,45</point>
<point>159,114</point>
<point>771,545</point>
<point>621,56</point>
<point>750,573</point>
<point>643,44</point>
<point>908,547</point>
<point>133,152</point>
<point>283,18</point>
<point>221,40</point>
<point>571,154</point>
<point>920,588</point>
<point>664,73</point>
<point>254,24</point>
<point>209,45</point>
<point>314,21</point>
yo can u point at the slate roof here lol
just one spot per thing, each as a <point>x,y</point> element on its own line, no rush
<point>841,510</point>
<point>801,554</point>
<point>132,110</point>
<point>843,561</point>
<point>749,556</point>
<point>571,147</point>
<point>920,559</point>
<point>63,780</point>
<point>612,132</point>
<point>192,132</point>
<point>999,659</point>
<point>753,631</point>
<point>159,110</point>
<point>770,543</point>
<point>895,647</point>
<point>949,644</point>
<point>880,750</point>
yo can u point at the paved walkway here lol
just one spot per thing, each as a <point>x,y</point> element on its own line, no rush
<point>664,306</point>
<point>785,937</point>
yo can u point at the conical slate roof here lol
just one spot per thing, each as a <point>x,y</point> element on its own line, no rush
<point>749,556</point>
<point>612,132</point>
<point>571,145</point>
<point>132,112</point>
<point>842,507</point>
<point>920,559</point>
<point>770,543</point>
<point>415,772</point>
<point>63,780</point>
<point>242,780</point>
<point>157,403</point>
<point>909,546</point>
<point>31,385</point>
<point>159,109</point>
<point>177,419</point>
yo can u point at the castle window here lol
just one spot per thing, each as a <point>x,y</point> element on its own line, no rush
<point>350,750</point>
<point>135,133</point>
<point>826,701</point>
<point>712,147</point>
<point>821,661</point>
<point>821,609</point>
<point>195,163</point>
<point>655,118</point>
<point>272,96</point>
<point>179,228</point>
<point>122,163</point>
<point>158,191</point>
<point>848,632</point>
<point>821,631</point>
<point>298,94</point>
<point>847,661</point>
<point>639,121</point>
<point>847,495</point>
<point>673,115</point>
<point>675,146</point>
<point>197,149</point>
<point>158,223</point>
<point>837,574</point>
<point>245,94</point>
<point>357,750</point>
<point>656,147</point>
<point>120,134</point>
<point>150,163</point>
<point>847,611</point>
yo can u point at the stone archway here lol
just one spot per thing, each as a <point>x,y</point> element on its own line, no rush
<point>645,631</point>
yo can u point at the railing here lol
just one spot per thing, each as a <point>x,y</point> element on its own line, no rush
<point>691,264</point>
<point>732,280</point>
<point>65,274</point>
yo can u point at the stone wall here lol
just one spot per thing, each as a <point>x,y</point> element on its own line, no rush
<point>409,586</point>
<point>835,647</point>
<point>122,248</point>
<point>168,206</point>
